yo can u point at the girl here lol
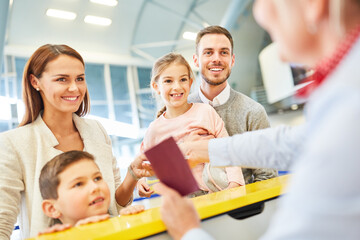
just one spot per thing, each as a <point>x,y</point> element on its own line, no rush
<point>171,80</point>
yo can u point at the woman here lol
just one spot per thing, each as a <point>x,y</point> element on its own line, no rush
<point>56,97</point>
<point>322,201</point>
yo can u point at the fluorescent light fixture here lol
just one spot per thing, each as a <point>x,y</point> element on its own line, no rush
<point>189,35</point>
<point>97,20</point>
<point>60,14</point>
<point>111,3</point>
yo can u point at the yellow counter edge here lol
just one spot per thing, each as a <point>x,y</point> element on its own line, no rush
<point>149,222</point>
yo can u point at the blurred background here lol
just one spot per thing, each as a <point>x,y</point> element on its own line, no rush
<point>120,39</point>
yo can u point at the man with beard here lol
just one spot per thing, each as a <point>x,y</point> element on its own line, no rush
<point>214,56</point>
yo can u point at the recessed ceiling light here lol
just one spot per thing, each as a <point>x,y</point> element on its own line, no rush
<point>97,20</point>
<point>60,14</point>
<point>189,35</point>
<point>111,3</point>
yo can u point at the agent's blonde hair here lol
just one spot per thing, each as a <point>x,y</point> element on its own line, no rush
<point>161,64</point>
<point>36,66</point>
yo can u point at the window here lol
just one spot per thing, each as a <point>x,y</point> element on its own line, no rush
<point>147,106</point>
<point>94,74</point>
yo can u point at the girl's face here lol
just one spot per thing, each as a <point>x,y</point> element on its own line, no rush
<point>173,85</point>
<point>62,85</point>
<point>288,24</point>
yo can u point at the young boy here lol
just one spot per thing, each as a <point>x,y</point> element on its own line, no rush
<point>74,192</point>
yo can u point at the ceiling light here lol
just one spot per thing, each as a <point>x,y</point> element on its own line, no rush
<point>97,20</point>
<point>189,35</point>
<point>111,3</point>
<point>60,14</point>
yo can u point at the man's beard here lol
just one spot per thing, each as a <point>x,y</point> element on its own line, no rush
<point>208,81</point>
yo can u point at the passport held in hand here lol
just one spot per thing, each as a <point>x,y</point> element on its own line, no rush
<point>171,167</point>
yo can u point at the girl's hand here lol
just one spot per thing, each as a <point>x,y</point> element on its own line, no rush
<point>143,188</point>
<point>134,209</point>
<point>93,219</point>
<point>55,228</point>
<point>141,167</point>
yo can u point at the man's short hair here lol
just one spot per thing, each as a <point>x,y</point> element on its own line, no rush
<point>49,176</point>
<point>214,30</point>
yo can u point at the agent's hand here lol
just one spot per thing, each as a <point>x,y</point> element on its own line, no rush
<point>134,209</point>
<point>55,228</point>
<point>93,219</point>
<point>195,152</point>
<point>178,213</point>
<point>141,167</point>
<point>143,188</point>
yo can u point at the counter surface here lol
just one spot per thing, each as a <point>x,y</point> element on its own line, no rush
<point>149,222</point>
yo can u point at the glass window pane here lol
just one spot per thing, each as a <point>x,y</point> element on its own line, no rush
<point>19,67</point>
<point>148,102</point>
<point>144,75</point>
<point>119,83</point>
<point>2,87</point>
<point>123,113</point>
<point>11,86</point>
<point>147,109</point>
<point>95,81</point>
<point>100,110</point>
<point>4,126</point>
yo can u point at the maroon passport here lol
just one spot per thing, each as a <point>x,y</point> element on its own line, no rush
<point>171,167</point>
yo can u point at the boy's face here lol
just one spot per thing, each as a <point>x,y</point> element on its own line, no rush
<point>82,192</point>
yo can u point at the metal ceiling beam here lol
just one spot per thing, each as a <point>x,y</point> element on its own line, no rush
<point>143,54</point>
<point>159,44</point>
<point>186,16</point>
<point>234,10</point>
<point>4,12</point>
<point>179,15</point>
<point>205,23</point>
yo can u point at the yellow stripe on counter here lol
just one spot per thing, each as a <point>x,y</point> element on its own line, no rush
<point>149,222</point>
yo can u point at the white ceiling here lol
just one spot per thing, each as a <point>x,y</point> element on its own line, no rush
<point>134,22</point>
<point>141,31</point>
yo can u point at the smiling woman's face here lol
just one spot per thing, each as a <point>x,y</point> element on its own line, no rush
<point>62,85</point>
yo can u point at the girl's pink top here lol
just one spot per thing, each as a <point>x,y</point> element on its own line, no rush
<point>199,117</point>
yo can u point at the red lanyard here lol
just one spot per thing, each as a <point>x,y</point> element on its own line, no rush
<point>326,66</point>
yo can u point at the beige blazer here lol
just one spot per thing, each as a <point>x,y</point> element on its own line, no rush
<point>23,153</point>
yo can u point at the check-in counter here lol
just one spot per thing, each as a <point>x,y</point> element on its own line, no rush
<point>242,212</point>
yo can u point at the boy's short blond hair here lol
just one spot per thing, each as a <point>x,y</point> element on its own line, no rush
<point>49,176</point>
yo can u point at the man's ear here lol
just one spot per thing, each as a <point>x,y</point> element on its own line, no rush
<point>233,60</point>
<point>155,86</point>
<point>196,60</point>
<point>48,207</point>
<point>34,81</point>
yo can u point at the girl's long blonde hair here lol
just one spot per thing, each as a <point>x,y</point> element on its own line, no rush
<point>161,64</point>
